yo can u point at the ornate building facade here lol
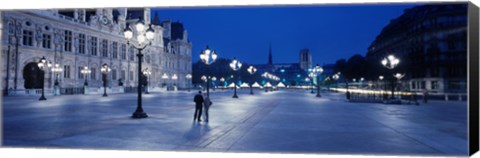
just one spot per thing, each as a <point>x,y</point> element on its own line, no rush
<point>431,42</point>
<point>79,38</point>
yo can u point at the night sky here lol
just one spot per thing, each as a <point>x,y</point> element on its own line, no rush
<point>330,32</point>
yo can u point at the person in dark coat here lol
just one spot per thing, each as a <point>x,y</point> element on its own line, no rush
<point>198,99</point>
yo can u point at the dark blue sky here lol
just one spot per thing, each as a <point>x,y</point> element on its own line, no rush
<point>330,32</point>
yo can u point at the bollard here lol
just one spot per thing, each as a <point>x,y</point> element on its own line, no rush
<point>446,97</point>
<point>459,97</point>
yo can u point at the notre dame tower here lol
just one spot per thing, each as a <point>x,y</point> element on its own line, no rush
<point>305,59</point>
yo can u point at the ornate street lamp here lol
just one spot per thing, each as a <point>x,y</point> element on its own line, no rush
<point>85,71</point>
<point>311,75</point>
<point>307,80</point>
<point>146,73</point>
<point>336,77</point>
<point>318,70</point>
<point>42,64</point>
<point>143,39</point>
<point>174,78</point>
<point>104,69</point>
<point>56,69</point>
<point>213,82</point>
<point>399,76</point>
<point>251,70</point>
<point>390,62</point>
<point>327,81</point>
<point>208,57</point>
<point>165,78</point>
<point>222,80</point>
<point>381,82</point>
<point>235,65</point>
<point>189,77</point>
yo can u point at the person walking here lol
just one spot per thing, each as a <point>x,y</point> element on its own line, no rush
<point>198,99</point>
<point>206,104</point>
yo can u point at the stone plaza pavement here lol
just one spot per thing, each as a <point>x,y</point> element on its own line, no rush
<point>285,121</point>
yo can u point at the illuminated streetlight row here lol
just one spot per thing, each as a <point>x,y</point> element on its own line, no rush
<point>44,65</point>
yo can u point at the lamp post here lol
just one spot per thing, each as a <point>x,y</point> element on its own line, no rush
<point>327,81</point>
<point>174,78</point>
<point>85,71</point>
<point>42,64</point>
<point>251,70</point>
<point>399,76</point>
<point>390,62</point>
<point>56,69</point>
<point>165,77</point>
<point>146,73</point>
<point>383,88</point>
<point>214,79</point>
<point>336,77</point>
<point>307,79</point>
<point>222,80</point>
<point>235,65</point>
<point>318,70</point>
<point>104,69</point>
<point>189,77</point>
<point>311,75</point>
<point>208,57</point>
<point>143,39</point>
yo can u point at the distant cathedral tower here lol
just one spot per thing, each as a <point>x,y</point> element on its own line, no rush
<point>270,62</point>
<point>305,59</point>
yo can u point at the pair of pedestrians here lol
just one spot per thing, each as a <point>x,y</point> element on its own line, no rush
<point>201,102</point>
